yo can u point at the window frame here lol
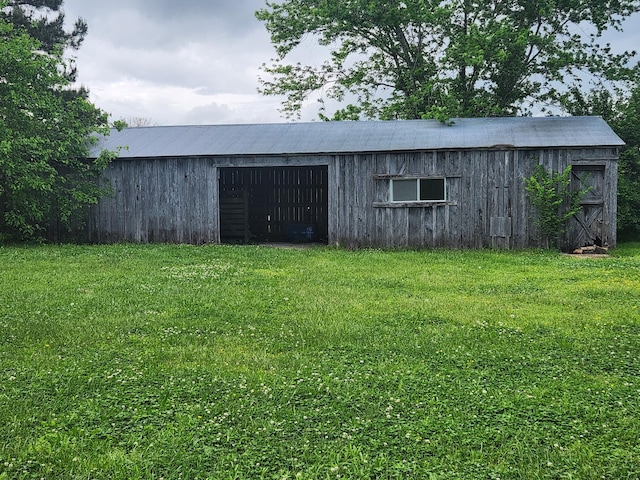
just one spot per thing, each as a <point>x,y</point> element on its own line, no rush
<point>418,181</point>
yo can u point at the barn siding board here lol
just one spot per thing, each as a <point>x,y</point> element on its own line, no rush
<point>166,172</point>
<point>174,199</point>
<point>191,206</point>
<point>147,192</point>
<point>494,186</point>
<point>462,196</point>
<point>196,215</point>
<point>514,196</point>
<point>178,199</point>
<point>528,210</point>
<point>184,207</point>
<point>129,217</point>
<point>472,199</point>
<point>344,204</point>
<point>436,228</point>
<point>414,227</point>
<point>350,201</point>
<point>610,200</point>
<point>354,167</point>
<point>210,205</point>
<point>115,227</point>
<point>400,227</point>
<point>203,231</point>
<point>117,202</point>
<point>479,195</point>
<point>163,206</point>
<point>169,226</point>
<point>366,196</point>
<point>159,207</point>
<point>442,229</point>
<point>182,200</point>
<point>123,197</point>
<point>157,200</point>
<point>140,220</point>
<point>332,205</point>
<point>360,199</point>
<point>338,202</point>
<point>131,212</point>
<point>447,238</point>
<point>455,224</point>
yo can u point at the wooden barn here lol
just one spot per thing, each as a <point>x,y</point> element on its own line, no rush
<point>413,184</point>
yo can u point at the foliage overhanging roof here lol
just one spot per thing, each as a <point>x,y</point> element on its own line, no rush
<point>355,137</point>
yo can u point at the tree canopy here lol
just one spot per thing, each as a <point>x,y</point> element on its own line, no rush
<point>442,58</point>
<point>45,136</point>
<point>44,21</point>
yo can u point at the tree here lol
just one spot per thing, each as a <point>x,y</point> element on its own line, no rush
<point>441,58</point>
<point>45,136</point>
<point>621,109</point>
<point>44,21</point>
<point>138,122</point>
<point>35,16</point>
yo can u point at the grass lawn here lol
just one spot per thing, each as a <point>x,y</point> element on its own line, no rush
<point>150,362</point>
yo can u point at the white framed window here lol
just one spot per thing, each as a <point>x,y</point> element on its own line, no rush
<point>418,190</point>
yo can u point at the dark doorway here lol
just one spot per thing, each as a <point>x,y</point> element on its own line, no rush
<point>274,204</point>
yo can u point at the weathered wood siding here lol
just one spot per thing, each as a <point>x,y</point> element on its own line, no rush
<point>486,204</point>
<point>170,200</point>
<point>176,200</point>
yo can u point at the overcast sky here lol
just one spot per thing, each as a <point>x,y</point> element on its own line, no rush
<point>175,62</point>
<point>189,61</point>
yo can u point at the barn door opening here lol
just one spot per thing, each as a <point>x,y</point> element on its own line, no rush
<point>274,204</point>
<point>587,225</point>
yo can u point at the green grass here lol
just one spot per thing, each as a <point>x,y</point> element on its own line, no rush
<point>150,362</point>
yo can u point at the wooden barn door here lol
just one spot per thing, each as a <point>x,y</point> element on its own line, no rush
<point>274,204</point>
<point>587,225</point>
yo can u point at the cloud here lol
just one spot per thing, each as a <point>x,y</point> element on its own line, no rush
<point>186,55</point>
<point>193,61</point>
<point>237,109</point>
<point>168,24</point>
<point>212,113</point>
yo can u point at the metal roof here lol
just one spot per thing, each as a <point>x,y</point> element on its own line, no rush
<point>352,137</point>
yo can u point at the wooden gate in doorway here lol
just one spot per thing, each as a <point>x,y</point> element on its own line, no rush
<point>587,225</point>
<point>274,204</point>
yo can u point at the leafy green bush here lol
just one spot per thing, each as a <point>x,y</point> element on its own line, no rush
<point>555,201</point>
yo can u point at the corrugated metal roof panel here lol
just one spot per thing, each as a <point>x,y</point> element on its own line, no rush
<point>351,137</point>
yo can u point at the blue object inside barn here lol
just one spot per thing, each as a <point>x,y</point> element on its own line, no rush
<point>300,232</point>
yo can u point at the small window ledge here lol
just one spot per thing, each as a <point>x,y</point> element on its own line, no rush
<point>393,176</point>
<point>413,204</point>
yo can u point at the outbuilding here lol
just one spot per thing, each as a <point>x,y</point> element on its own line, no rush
<point>411,184</point>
